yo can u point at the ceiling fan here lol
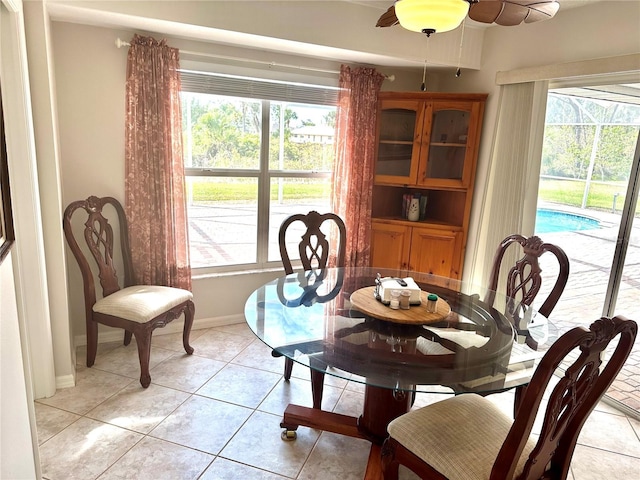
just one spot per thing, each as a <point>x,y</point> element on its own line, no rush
<point>502,12</point>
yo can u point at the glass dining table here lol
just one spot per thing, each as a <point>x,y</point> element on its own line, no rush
<point>338,321</point>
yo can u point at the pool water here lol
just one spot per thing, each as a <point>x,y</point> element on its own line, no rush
<point>550,221</point>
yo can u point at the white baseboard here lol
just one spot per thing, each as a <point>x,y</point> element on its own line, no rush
<point>65,381</point>
<point>116,334</point>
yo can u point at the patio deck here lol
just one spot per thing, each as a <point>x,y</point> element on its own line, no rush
<point>590,255</point>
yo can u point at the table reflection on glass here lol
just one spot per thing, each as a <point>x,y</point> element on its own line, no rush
<point>311,318</point>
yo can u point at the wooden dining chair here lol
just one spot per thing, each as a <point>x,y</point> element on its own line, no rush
<point>523,280</point>
<point>467,437</point>
<point>521,284</point>
<point>313,249</point>
<point>138,309</point>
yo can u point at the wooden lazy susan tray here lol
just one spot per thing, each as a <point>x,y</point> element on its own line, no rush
<point>365,301</point>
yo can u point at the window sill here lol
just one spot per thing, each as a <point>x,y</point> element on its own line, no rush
<point>235,273</point>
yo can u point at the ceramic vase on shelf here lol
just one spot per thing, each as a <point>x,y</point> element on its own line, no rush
<point>414,210</point>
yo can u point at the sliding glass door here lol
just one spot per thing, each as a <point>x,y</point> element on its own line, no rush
<point>588,205</point>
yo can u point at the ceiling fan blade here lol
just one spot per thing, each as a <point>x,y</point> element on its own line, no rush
<point>388,18</point>
<point>512,12</point>
<point>486,11</point>
<point>542,11</point>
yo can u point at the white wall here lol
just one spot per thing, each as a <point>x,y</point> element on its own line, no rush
<point>16,447</point>
<point>339,28</point>
<point>47,157</point>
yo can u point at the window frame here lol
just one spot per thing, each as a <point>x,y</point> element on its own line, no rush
<point>263,174</point>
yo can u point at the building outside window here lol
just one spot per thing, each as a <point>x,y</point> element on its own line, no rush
<point>255,152</point>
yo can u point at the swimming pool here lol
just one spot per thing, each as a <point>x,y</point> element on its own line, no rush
<point>550,221</point>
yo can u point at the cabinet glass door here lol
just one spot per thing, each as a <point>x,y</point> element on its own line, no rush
<point>398,143</point>
<point>448,146</point>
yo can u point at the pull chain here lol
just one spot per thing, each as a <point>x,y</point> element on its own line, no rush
<point>458,71</point>
<point>423,87</point>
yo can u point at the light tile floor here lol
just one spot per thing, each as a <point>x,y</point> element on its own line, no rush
<point>216,415</point>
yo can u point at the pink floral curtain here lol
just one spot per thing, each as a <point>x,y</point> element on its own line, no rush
<point>354,164</point>
<point>154,169</point>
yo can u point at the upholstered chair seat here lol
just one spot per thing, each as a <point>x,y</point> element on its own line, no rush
<point>464,453</point>
<point>141,303</point>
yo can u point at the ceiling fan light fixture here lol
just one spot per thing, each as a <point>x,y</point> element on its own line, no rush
<point>431,16</point>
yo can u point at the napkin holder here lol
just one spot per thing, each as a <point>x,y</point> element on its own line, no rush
<point>385,285</point>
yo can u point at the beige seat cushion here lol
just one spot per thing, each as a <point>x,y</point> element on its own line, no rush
<point>141,303</point>
<point>460,436</point>
<point>429,347</point>
<point>463,338</point>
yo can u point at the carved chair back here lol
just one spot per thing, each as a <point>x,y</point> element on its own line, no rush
<point>313,248</point>
<point>524,279</point>
<point>583,384</point>
<point>99,236</point>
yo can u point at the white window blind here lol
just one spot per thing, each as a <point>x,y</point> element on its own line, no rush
<point>512,185</point>
<point>245,87</point>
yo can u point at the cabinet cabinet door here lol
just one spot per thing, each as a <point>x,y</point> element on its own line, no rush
<point>436,251</point>
<point>449,143</point>
<point>389,245</point>
<point>399,139</point>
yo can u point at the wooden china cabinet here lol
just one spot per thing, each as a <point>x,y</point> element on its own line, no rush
<point>427,146</point>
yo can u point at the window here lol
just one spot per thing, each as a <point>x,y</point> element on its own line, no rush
<point>255,152</point>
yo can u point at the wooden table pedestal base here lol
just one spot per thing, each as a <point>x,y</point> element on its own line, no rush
<point>381,406</point>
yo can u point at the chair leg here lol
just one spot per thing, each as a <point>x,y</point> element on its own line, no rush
<point>188,323</point>
<point>143,339</point>
<point>390,465</point>
<point>288,366</point>
<point>127,337</point>
<point>92,342</point>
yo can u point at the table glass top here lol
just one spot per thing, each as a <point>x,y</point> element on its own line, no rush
<point>310,318</point>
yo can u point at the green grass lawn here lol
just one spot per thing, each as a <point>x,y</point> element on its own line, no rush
<point>209,192</point>
<point>567,192</point>
<point>570,192</point>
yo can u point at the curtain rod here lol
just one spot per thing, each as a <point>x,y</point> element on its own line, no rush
<point>121,43</point>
